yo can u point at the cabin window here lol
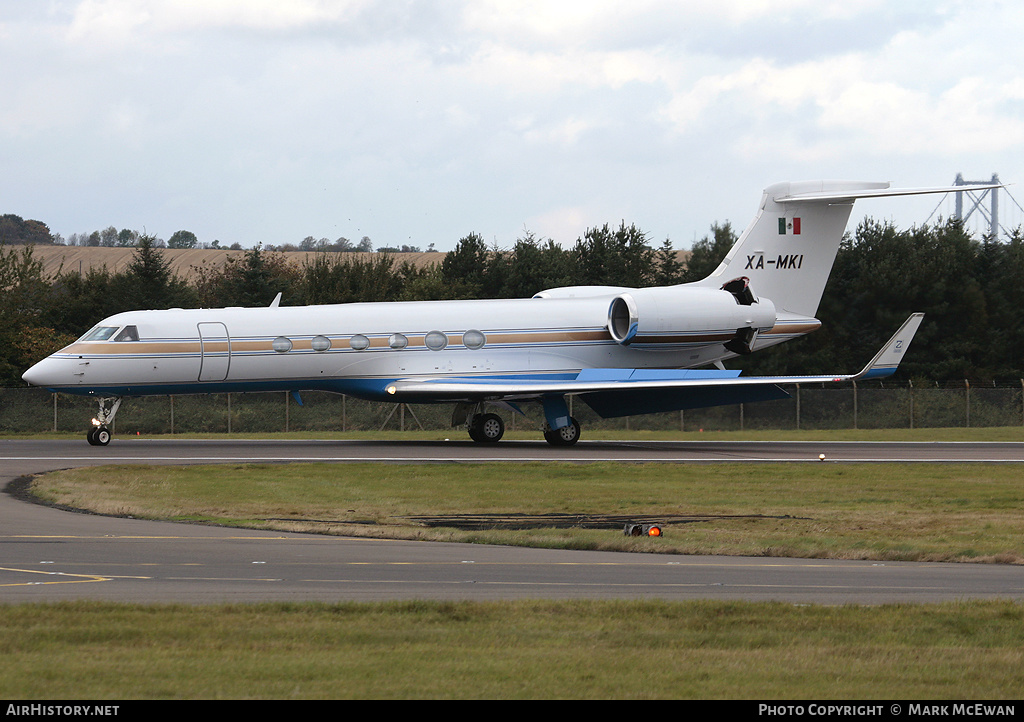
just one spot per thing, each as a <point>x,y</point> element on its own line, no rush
<point>128,333</point>
<point>398,340</point>
<point>99,333</point>
<point>435,340</point>
<point>321,343</point>
<point>282,344</point>
<point>473,339</point>
<point>359,342</point>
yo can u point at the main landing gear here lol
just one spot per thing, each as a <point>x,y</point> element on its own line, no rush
<point>488,428</point>
<point>99,434</point>
<point>565,436</point>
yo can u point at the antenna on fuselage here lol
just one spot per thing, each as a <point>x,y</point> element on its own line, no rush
<point>277,300</point>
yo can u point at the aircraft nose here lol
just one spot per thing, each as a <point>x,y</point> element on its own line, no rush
<point>44,373</point>
<point>34,375</point>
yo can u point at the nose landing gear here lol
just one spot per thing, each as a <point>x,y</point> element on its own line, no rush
<point>99,434</point>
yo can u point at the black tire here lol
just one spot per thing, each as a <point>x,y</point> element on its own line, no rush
<point>566,436</point>
<point>90,436</point>
<point>486,428</point>
<point>102,436</point>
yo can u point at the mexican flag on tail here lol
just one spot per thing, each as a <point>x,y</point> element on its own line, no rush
<point>789,226</point>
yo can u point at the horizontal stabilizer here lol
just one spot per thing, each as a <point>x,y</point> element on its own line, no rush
<point>847,195</point>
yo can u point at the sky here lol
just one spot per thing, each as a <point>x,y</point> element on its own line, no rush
<point>420,122</point>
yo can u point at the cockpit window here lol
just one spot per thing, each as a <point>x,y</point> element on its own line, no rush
<point>128,333</point>
<point>99,333</point>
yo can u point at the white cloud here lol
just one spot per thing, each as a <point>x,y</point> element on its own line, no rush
<point>268,120</point>
<point>103,21</point>
<point>564,224</point>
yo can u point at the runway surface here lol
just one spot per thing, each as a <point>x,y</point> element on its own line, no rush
<point>47,554</point>
<point>121,450</point>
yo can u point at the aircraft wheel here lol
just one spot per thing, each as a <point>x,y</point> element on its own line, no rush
<point>487,428</point>
<point>101,436</point>
<point>90,436</point>
<point>565,436</point>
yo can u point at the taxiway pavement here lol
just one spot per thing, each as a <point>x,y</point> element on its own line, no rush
<point>47,554</point>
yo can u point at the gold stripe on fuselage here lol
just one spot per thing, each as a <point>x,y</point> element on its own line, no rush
<point>796,329</point>
<point>340,343</point>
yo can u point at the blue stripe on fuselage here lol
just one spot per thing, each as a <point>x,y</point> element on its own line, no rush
<point>370,389</point>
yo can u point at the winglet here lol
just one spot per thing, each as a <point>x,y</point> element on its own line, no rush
<point>888,358</point>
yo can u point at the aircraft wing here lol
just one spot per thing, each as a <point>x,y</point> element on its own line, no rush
<point>598,384</point>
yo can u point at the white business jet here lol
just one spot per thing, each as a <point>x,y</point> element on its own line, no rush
<point>622,351</point>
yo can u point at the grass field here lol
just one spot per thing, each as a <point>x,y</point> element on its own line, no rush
<point>522,650</point>
<point>545,649</point>
<point>933,512</point>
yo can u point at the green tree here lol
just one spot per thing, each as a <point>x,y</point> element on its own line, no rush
<point>24,293</point>
<point>464,269</point>
<point>668,269</point>
<point>77,301</point>
<point>343,278</point>
<point>534,266</point>
<point>423,284</point>
<point>619,258</point>
<point>127,237</point>
<point>149,283</point>
<point>183,239</point>
<point>709,251</point>
<point>252,281</point>
<point>1004,292</point>
<point>14,230</point>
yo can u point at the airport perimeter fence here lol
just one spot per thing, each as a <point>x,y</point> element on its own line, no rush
<point>864,406</point>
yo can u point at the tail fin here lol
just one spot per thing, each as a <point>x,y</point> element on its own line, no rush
<point>788,250</point>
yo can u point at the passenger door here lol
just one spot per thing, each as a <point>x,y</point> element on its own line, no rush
<point>215,351</point>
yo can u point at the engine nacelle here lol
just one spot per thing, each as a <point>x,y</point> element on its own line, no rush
<point>690,315</point>
<point>580,291</point>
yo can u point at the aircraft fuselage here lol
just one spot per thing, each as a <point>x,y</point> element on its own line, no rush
<point>357,349</point>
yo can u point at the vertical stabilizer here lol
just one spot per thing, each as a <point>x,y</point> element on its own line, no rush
<point>788,250</point>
